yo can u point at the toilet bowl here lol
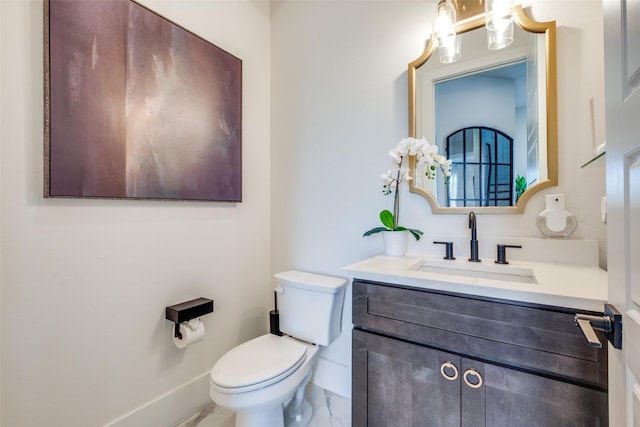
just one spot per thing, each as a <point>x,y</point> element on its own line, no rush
<point>259,392</point>
<point>263,380</point>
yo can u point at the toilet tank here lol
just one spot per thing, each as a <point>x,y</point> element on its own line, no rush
<point>310,305</point>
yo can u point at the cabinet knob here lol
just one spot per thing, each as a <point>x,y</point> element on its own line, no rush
<point>472,378</point>
<point>449,371</point>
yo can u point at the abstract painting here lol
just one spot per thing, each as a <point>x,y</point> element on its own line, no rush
<point>138,107</point>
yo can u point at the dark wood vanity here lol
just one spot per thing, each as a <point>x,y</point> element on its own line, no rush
<point>433,358</point>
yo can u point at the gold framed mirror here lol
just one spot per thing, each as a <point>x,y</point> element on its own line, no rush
<point>533,122</point>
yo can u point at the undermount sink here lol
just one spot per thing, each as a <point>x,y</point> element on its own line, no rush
<point>485,269</point>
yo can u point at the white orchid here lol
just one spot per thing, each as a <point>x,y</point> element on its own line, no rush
<point>428,158</point>
<point>406,174</point>
<point>428,151</point>
<point>431,160</point>
<point>387,178</point>
<point>396,155</point>
<point>415,145</point>
<point>426,154</point>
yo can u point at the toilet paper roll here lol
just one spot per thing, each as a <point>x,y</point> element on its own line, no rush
<point>192,331</point>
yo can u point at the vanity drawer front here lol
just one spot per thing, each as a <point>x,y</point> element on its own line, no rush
<point>539,338</point>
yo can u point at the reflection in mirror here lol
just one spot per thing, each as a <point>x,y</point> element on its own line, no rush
<point>482,166</point>
<point>493,114</point>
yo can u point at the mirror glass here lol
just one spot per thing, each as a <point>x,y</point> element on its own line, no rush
<point>493,114</point>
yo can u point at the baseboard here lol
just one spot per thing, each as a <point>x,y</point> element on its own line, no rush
<point>334,377</point>
<point>186,400</point>
<point>170,408</point>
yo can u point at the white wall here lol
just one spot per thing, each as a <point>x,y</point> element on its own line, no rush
<point>340,103</point>
<point>475,101</point>
<point>85,282</point>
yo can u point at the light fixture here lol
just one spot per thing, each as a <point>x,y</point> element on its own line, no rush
<point>499,22</point>
<point>498,18</point>
<point>444,32</point>
<point>450,50</point>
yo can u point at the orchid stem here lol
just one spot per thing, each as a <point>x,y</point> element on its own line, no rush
<point>396,203</point>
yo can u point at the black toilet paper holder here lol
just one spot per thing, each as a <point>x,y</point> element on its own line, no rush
<point>186,311</point>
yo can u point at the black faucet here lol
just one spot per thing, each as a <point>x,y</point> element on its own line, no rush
<point>474,238</point>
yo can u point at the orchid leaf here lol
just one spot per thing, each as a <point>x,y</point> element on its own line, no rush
<point>374,231</point>
<point>415,233</point>
<point>386,217</point>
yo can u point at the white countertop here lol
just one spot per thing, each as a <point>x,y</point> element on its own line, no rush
<point>564,285</point>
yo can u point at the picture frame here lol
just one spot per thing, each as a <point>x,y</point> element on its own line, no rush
<point>137,107</point>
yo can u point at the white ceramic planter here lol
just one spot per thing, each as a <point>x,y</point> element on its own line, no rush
<point>395,242</point>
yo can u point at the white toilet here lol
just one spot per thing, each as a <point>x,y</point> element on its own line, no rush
<point>263,380</point>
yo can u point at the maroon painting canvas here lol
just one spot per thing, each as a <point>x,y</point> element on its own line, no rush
<point>138,107</point>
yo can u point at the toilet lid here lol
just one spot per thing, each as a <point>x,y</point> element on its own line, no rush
<point>258,363</point>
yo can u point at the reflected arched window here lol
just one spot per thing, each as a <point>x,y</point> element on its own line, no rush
<point>481,167</point>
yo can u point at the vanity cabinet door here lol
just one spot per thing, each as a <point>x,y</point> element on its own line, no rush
<point>501,397</point>
<point>399,384</point>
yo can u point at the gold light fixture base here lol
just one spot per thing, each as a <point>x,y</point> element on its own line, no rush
<point>468,9</point>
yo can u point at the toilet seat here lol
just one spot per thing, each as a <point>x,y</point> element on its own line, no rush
<point>258,363</point>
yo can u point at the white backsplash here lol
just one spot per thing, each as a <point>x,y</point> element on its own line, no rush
<point>557,251</point>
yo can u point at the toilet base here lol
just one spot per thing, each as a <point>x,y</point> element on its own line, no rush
<point>271,418</point>
<point>302,418</point>
<point>267,417</point>
<point>297,413</point>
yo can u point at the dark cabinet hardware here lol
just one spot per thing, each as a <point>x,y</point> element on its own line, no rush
<point>449,371</point>
<point>472,378</point>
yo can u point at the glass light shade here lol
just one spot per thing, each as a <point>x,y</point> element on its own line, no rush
<point>444,23</point>
<point>498,39</point>
<point>450,49</point>
<point>499,23</point>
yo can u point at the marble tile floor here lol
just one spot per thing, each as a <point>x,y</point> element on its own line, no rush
<point>329,410</point>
